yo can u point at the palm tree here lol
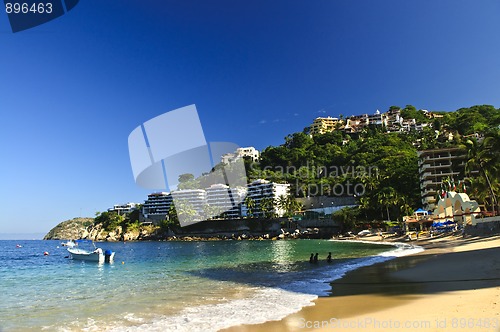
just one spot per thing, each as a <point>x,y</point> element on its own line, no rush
<point>346,217</point>
<point>364,205</point>
<point>404,207</point>
<point>172,215</point>
<point>250,204</point>
<point>479,190</point>
<point>294,205</point>
<point>483,159</point>
<point>212,211</point>
<point>491,155</point>
<point>387,197</point>
<point>370,182</point>
<point>185,210</point>
<point>282,203</point>
<point>267,207</point>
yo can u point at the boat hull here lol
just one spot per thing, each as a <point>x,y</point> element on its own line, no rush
<point>91,256</point>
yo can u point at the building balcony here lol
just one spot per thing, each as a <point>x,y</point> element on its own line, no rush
<point>446,173</point>
<point>430,191</point>
<point>425,183</point>
<point>426,175</point>
<point>441,165</point>
<point>424,167</point>
<point>447,157</point>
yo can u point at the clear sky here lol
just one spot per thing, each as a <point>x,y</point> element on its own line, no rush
<point>73,89</point>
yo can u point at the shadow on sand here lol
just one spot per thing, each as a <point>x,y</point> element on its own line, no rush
<point>426,273</point>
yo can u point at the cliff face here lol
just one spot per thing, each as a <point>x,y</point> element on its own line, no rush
<point>69,229</point>
<point>84,228</point>
<point>98,233</point>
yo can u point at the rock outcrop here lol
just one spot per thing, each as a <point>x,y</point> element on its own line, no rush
<point>84,228</point>
<point>70,229</point>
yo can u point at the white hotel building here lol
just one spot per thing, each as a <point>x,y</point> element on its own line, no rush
<point>219,196</point>
<point>435,166</point>
<point>124,208</point>
<point>225,199</point>
<point>260,189</point>
<point>249,152</point>
<point>196,198</point>
<point>157,205</point>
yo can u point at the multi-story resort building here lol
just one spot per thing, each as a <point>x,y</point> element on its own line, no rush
<point>157,205</point>
<point>196,198</point>
<point>325,125</point>
<point>260,189</point>
<point>438,165</point>
<point>222,200</point>
<point>226,200</point>
<point>249,152</point>
<point>124,208</point>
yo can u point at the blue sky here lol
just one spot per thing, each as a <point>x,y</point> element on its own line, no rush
<point>73,89</point>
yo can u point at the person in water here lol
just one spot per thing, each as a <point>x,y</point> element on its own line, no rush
<point>311,259</point>
<point>329,257</point>
<point>316,258</point>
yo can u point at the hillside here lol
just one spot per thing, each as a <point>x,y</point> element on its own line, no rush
<point>69,229</point>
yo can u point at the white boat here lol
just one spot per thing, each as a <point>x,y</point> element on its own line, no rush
<point>96,255</point>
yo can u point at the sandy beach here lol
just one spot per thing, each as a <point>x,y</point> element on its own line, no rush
<point>454,285</point>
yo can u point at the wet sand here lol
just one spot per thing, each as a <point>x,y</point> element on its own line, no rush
<point>454,285</point>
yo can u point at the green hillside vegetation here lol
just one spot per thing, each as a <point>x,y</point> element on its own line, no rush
<point>69,229</point>
<point>483,170</point>
<point>377,168</point>
<point>111,220</point>
<point>386,164</point>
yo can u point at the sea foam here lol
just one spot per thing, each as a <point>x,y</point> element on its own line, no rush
<point>267,303</point>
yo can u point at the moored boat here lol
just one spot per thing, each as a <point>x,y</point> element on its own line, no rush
<point>95,255</point>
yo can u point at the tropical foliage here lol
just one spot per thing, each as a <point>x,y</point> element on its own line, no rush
<point>483,169</point>
<point>109,220</point>
<point>377,168</point>
<point>384,165</point>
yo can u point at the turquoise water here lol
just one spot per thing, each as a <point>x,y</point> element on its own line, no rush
<point>162,286</point>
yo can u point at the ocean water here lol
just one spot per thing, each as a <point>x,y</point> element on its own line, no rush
<point>171,286</point>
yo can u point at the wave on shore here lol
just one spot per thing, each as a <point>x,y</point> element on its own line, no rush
<point>267,303</point>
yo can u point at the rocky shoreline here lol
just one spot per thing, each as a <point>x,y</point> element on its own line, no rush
<point>84,228</point>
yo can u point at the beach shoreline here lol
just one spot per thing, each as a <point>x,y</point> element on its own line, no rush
<point>453,285</point>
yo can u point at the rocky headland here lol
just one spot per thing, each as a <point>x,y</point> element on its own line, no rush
<point>243,229</point>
